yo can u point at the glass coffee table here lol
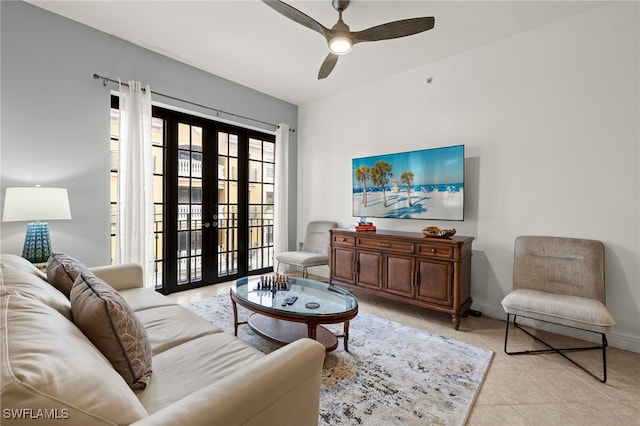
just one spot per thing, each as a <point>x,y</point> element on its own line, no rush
<point>279,319</point>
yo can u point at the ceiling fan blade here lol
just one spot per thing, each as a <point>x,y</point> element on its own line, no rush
<point>328,65</point>
<point>395,29</point>
<point>297,16</point>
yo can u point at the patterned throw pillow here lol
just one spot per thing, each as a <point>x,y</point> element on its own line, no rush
<point>62,271</point>
<point>112,326</point>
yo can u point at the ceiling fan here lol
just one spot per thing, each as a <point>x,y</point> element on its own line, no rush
<point>341,39</point>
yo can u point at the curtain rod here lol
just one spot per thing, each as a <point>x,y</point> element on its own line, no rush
<point>219,111</point>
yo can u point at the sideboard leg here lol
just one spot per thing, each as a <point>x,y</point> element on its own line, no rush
<point>456,321</point>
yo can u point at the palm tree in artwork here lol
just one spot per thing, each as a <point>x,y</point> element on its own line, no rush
<point>380,175</point>
<point>362,175</point>
<point>406,178</point>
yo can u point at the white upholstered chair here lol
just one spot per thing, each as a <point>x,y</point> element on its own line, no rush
<point>315,248</point>
<point>560,280</point>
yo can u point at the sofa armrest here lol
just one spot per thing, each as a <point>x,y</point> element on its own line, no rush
<point>121,277</point>
<point>282,388</point>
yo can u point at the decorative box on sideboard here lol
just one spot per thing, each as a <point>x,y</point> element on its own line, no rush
<point>433,273</point>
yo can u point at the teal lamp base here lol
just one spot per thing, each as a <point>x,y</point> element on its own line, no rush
<point>37,243</point>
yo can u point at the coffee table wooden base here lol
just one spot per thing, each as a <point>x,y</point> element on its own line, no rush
<point>284,332</point>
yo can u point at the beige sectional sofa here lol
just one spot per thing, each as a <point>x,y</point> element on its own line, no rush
<point>52,373</point>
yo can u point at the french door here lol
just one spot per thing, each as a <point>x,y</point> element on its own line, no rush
<point>213,197</point>
<point>219,202</point>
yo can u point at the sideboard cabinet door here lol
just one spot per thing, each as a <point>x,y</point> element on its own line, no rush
<point>434,282</point>
<point>369,269</point>
<point>399,274</point>
<point>343,264</point>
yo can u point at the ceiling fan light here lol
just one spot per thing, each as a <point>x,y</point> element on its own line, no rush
<point>340,45</point>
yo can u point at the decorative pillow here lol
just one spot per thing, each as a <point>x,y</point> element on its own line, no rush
<point>111,325</point>
<point>62,271</point>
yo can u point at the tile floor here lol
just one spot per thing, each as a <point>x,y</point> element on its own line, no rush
<point>519,390</point>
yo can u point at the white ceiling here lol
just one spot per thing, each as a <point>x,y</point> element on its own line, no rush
<point>247,42</point>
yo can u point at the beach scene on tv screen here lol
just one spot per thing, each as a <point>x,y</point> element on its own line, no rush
<point>425,184</point>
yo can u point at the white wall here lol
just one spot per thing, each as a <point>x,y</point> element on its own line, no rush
<point>550,122</point>
<point>55,116</point>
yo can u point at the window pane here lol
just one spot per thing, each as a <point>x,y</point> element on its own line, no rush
<point>157,131</point>
<point>233,169</point>
<point>268,153</point>
<point>183,216</point>
<point>233,145</point>
<point>196,268</point>
<point>114,216</point>
<point>196,217</point>
<point>184,163</point>
<point>268,194</point>
<point>255,149</point>
<point>222,167</point>
<point>183,243</point>
<point>196,138</point>
<point>184,133</point>
<point>196,191</point>
<point>158,159</point>
<point>268,173</point>
<point>255,171</point>
<point>115,123</point>
<point>184,190</point>
<point>196,243</point>
<point>196,164</point>
<point>223,143</point>
<point>233,192</point>
<point>158,208</point>
<point>157,188</point>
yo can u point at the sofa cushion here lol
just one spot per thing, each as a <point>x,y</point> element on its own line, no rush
<point>141,298</point>
<point>19,276</point>
<point>170,326</point>
<point>112,326</point>
<point>62,271</point>
<point>193,365</point>
<point>48,363</point>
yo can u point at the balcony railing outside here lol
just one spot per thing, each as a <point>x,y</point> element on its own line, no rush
<point>260,255</point>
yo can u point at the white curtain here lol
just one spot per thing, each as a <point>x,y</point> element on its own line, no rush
<point>134,241</point>
<point>281,189</point>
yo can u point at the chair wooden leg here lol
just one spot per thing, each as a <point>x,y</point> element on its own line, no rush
<point>559,351</point>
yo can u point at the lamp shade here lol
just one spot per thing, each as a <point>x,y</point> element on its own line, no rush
<point>35,203</point>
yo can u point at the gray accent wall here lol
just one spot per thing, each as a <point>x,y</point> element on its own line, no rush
<point>55,117</point>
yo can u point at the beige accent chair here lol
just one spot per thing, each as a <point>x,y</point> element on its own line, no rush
<point>315,249</point>
<point>561,281</point>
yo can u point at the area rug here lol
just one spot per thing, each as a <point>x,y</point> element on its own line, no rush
<point>392,375</point>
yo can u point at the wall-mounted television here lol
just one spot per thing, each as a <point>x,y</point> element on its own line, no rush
<point>424,184</point>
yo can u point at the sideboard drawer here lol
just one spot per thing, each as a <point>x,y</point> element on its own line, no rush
<point>387,245</point>
<point>444,252</point>
<point>344,240</point>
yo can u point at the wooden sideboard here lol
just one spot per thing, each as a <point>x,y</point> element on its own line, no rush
<point>432,273</point>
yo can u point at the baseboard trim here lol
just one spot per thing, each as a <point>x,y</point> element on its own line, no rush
<point>615,339</point>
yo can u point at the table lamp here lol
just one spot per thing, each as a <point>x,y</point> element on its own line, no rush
<point>36,204</point>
